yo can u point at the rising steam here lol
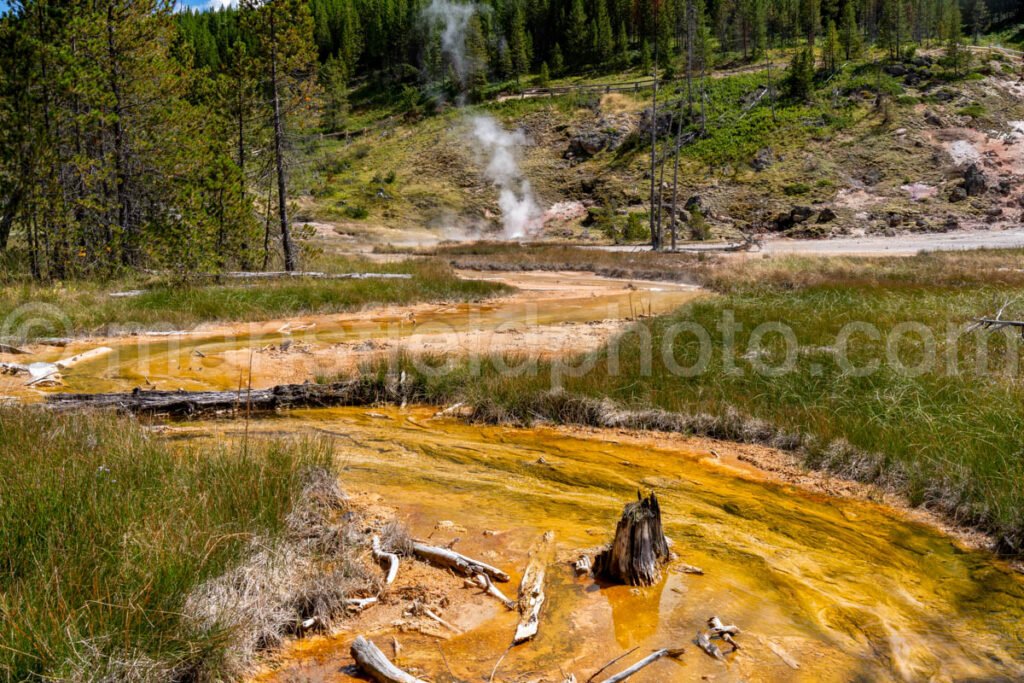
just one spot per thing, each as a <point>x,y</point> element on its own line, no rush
<point>519,211</point>
<point>520,214</point>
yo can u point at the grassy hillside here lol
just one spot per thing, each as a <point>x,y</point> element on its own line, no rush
<point>842,149</point>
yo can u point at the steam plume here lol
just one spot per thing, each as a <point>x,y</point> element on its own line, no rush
<point>519,211</point>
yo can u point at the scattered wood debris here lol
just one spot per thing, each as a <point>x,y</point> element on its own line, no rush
<point>531,590</point>
<point>582,566</point>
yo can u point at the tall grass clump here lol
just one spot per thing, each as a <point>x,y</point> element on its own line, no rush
<point>105,532</point>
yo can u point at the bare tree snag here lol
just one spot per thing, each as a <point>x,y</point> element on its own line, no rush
<point>458,563</point>
<point>646,661</point>
<point>639,548</point>
<point>381,557</point>
<point>531,591</point>
<point>376,665</point>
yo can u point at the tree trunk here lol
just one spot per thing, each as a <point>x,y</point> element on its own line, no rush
<point>655,245</point>
<point>282,197</point>
<point>129,253</point>
<point>640,547</point>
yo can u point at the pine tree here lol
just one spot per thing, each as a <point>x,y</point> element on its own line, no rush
<point>850,35</point>
<point>645,57</point>
<point>283,30</point>
<point>544,77</point>
<point>830,51</point>
<point>604,40</point>
<point>800,80</point>
<point>579,38</point>
<point>810,19</point>
<point>622,47</point>
<point>517,45</point>
<point>557,60</point>
<point>955,53</point>
<point>759,28</point>
<point>334,86</point>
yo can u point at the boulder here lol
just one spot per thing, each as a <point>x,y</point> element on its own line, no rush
<point>951,223</point>
<point>1005,187</point>
<point>586,145</point>
<point>975,183</point>
<point>958,194</point>
<point>826,215</point>
<point>763,159</point>
<point>664,123</point>
<point>933,119</point>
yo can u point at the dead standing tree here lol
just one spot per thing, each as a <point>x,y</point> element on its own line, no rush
<point>640,547</point>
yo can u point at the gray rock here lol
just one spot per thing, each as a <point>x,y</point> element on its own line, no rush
<point>826,215</point>
<point>763,159</point>
<point>958,194</point>
<point>933,119</point>
<point>975,183</point>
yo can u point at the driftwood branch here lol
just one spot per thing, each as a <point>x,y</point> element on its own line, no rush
<point>390,558</point>
<point>457,562</point>
<point>646,661</point>
<point>376,665</point>
<point>582,566</point>
<point>611,663</point>
<point>485,582</point>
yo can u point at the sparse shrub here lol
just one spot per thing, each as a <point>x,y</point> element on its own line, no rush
<point>974,110</point>
<point>637,228</point>
<point>796,189</point>
<point>356,212</point>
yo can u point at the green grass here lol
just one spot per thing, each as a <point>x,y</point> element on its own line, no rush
<point>32,310</point>
<point>949,436</point>
<point>105,531</point>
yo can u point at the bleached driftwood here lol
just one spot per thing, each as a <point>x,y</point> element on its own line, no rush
<point>376,665</point>
<point>646,661</point>
<point>688,569</point>
<point>427,612</point>
<point>704,642</point>
<point>723,631</point>
<point>82,357</point>
<point>617,659</point>
<point>531,591</point>
<point>640,547</point>
<point>457,562</point>
<point>359,604</point>
<point>485,582</point>
<point>381,557</point>
<point>582,566</point>
<point>246,275</point>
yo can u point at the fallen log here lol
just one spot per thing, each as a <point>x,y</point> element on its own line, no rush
<point>459,563</point>
<point>531,591</point>
<point>12,350</point>
<point>376,665</point>
<point>182,404</point>
<point>381,557</point>
<point>640,547</point>
<point>617,659</point>
<point>646,661</point>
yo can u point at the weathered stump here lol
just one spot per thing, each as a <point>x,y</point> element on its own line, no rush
<point>640,547</point>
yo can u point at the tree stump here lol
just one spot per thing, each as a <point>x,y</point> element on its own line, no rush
<point>640,547</point>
